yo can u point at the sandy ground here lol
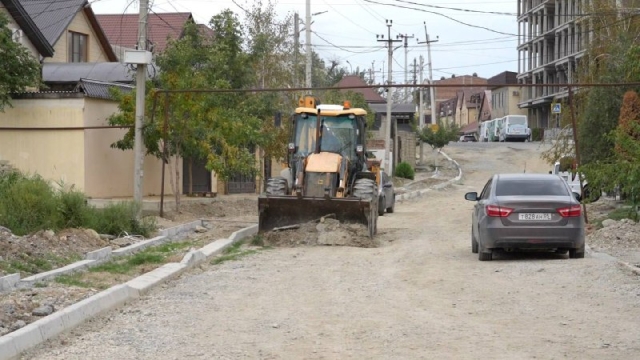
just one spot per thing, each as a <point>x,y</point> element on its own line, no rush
<point>421,295</point>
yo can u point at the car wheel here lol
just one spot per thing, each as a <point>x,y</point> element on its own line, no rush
<point>381,204</point>
<point>474,243</point>
<point>485,256</point>
<point>576,253</point>
<point>393,205</point>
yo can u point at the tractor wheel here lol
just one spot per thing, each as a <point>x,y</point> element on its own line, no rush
<point>364,189</point>
<point>277,186</point>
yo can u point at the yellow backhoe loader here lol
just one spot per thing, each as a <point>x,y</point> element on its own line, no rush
<point>327,171</point>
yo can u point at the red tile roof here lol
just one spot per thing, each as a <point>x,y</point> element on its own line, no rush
<point>370,95</point>
<point>122,29</point>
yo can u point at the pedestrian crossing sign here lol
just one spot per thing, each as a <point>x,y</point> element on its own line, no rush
<point>555,108</point>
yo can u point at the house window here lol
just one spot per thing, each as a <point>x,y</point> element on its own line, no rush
<point>78,46</point>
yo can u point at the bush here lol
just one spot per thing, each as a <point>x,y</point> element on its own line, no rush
<point>120,218</point>
<point>537,134</point>
<point>405,171</point>
<point>28,204</point>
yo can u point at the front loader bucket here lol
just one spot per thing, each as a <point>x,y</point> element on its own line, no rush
<point>280,211</point>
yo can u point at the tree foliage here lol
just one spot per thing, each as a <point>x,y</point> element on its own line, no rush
<point>20,70</point>
<point>440,137</point>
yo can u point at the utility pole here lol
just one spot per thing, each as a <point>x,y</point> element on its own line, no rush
<point>421,109</point>
<point>308,44</point>
<point>414,72</point>
<point>296,46</point>
<point>431,88</point>
<point>141,78</point>
<point>387,132</point>
<point>406,67</point>
<point>373,69</point>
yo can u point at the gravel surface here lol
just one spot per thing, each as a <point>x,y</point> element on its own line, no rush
<point>421,294</point>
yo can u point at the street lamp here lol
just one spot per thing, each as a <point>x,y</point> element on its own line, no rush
<point>351,66</point>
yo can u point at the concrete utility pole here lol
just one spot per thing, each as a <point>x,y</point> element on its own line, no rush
<point>421,108</point>
<point>307,29</point>
<point>431,88</point>
<point>141,78</point>
<point>406,67</point>
<point>387,132</point>
<point>296,46</point>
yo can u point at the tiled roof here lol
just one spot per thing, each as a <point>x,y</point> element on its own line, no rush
<point>73,72</point>
<point>370,95</point>
<point>100,89</point>
<point>52,17</point>
<point>122,29</point>
<point>28,26</point>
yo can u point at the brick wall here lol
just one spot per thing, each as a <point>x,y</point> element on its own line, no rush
<point>408,152</point>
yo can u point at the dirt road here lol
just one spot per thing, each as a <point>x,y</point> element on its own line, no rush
<point>423,295</point>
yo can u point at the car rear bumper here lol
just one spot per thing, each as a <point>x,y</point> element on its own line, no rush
<point>532,238</point>
<point>516,136</point>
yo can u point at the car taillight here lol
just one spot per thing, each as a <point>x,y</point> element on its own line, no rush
<point>498,211</point>
<point>571,211</point>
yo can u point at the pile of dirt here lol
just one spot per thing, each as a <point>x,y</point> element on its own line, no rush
<point>26,306</point>
<point>214,209</point>
<point>616,238</point>
<point>47,245</point>
<point>327,232</point>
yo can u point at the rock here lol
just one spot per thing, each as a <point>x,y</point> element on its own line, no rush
<point>121,242</point>
<point>608,223</point>
<point>92,233</point>
<point>107,237</point>
<point>49,234</point>
<point>275,326</point>
<point>201,229</point>
<point>43,310</point>
<point>5,230</point>
<point>17,325</point>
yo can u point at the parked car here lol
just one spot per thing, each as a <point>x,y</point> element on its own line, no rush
<point>467,138</point>
<point>526,211</point>
<point>387,195</point>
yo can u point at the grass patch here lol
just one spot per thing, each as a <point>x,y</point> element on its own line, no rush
<point>233,256</point>
<point>28,265</point>
<point>74,280</point>
<point>235,251</point>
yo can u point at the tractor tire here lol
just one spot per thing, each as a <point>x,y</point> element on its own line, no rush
<point>365,189</point>
<point>277,186</point>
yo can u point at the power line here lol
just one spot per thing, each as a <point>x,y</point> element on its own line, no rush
<point>457,9</point>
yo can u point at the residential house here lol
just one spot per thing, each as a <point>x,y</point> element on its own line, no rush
<point>456,84</point>
<point>402,115</point>
<point>122,30</point>
<point>468,104</point>
<point>58,134</point>
<point>447,110</point>
<point>553,36</point>
<point>505,95</point>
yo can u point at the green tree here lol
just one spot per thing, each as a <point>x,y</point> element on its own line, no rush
<point>439,137</point>
<point>20,70</point>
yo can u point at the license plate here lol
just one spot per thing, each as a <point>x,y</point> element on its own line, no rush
<point>534,217</point>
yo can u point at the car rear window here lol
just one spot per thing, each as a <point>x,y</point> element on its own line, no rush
<point>531,188</point>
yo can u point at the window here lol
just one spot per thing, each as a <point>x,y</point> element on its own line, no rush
<point>555,187</point>
<point>78,46</point>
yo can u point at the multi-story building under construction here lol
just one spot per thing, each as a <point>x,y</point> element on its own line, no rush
<point>553,35</point>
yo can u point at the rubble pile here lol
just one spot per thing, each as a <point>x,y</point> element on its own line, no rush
<point>327,231</point>
<point>616,238</point>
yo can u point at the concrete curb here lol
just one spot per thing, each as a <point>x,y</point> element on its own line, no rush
<point>96,257</point>
<point>13,344</point>
<point>419,193</point>
<point>605,256</point>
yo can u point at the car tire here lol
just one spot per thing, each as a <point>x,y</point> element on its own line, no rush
<point>576,253</point>
<point>381,203</point>
<point>391,208</point>
<point>474,243</point>
<point>485,256</point>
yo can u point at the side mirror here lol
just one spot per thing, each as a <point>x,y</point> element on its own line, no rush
<point>577,196</point>
<point>471,196</point>
<point>292,147</point>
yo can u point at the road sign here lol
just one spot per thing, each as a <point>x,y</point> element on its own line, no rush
<point>556,109</point>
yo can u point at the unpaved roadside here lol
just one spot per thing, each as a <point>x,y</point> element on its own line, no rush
<point>421,295</point>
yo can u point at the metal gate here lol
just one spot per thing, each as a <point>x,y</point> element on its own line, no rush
<point>241,184</point>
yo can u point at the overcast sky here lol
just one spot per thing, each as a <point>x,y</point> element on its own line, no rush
<point>347,31</point>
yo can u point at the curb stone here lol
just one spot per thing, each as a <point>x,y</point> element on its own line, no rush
<point>14,343</point>
<point>419,193</point>
<point>605,256</point>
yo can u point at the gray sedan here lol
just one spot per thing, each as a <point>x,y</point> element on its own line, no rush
<point>526,211</point>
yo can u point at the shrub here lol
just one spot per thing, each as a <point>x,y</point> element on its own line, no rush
<point>537,134</point>
<point>74,209</point>
<point>405,171</point>
<point>120,218</point>
<point>28,204</point>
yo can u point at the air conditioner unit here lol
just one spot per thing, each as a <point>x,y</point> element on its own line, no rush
<point>516,93</point>
<point>17,35</point>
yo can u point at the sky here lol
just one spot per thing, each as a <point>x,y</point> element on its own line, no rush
<point>347,31</point>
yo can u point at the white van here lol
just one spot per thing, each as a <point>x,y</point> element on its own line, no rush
<point>514,128</point>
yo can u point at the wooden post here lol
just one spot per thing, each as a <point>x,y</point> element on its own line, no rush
<point>164,150</point>
<point>574,127</point>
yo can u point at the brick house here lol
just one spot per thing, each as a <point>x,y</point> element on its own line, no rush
<point>447,93</point>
